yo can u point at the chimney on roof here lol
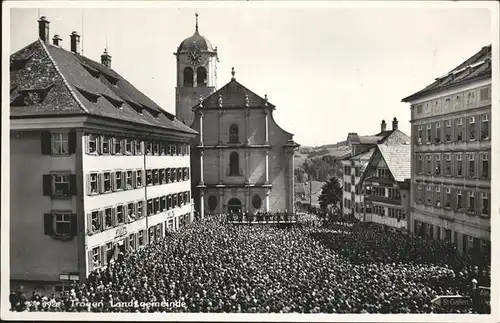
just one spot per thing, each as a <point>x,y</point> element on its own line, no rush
<point>106,58</point>
<point>383,126</point>
<point>75,42</point>
<point>395,123</point>
<point>43,29</point>
<point>56,40</point>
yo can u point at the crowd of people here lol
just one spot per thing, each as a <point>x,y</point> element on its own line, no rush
<point>213,266</point>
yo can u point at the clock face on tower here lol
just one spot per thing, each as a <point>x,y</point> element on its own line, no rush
<point>194,57</point>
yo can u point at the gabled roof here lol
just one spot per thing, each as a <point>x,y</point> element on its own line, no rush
<point>233,96</point>
<point>73,84</point>
<point>476,67</point>
<point>398,159</point>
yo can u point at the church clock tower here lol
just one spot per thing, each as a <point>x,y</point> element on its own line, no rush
<point>196,74</point>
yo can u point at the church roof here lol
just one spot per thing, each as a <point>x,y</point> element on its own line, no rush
<point>196,41</point>
<point>68,83</point>
<point>478,66</point>
<point>233,95</point>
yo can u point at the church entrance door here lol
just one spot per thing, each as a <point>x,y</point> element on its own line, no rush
<point>234,205</point>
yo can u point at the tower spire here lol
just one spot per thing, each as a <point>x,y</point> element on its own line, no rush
<point>196,15</point>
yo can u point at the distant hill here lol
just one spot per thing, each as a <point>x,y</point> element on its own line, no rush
<point>319,163</point>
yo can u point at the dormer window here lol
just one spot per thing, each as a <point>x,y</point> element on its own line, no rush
<point>31,97</point>
<point>114,102</point>
<point>91,97</point>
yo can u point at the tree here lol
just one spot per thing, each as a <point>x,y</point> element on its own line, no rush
<point>331,194</point>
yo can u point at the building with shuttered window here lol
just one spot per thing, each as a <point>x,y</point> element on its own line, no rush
<point>451,156</point>
<point>96,166</point>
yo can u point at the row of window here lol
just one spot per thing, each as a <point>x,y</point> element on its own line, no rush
<point>105,182</point>
<point>455,101</point>
<point>110,217</point>
<point>64,143</point>
<point>455,130</point>
<point>468,242</point>
<point>471,201</point>
<point>108,145</point>
<point>389,192</point>
<point>347,170</point>
<point>102,255</point>
<point>474,165</point>
<point>397,214</point>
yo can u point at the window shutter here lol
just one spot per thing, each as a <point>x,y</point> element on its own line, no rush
<point>73,184</point>
<point>74,224</point>
<point>47,185</point>
<point>87,144</point>
<point>46,141</point>
<point>112,149</point>
<point>113,181</point>
<point>100,220</point>
<point>113,216</point>
<point>72,142</point>
<point>90,260</point>
<point>104,255</point>
<point>100,183</point>
<point>87,184</point>
<point>125,213</point>
<point>136,241</point>
<point>48,224</point>
<point>98,141</point>
<point>134,179</point>
<point>143,175</point>
<point>489,204</point>
<point>477,202</point>
<point>101,140</point>
<point>132,147</point>
<point>89,222</point>
<point>127,243</point>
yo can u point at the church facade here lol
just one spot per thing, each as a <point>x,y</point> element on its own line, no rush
<point>242,160</point>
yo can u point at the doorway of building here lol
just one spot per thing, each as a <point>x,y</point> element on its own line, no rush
<point>234,205</point>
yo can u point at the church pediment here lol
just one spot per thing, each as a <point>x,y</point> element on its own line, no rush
<point>235,95</point>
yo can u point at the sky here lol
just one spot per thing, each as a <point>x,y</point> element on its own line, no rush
<point>329,71</point>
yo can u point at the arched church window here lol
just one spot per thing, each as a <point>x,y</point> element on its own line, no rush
<point>234,164</point>
<point>201,76</point>
<point>233,134</point>
<point>188,76</point>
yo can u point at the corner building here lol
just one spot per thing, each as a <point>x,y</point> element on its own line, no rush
<point>451,157</point>
<point>96,166</point>
<point>241,159</point>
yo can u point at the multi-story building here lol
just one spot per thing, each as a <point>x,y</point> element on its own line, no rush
<point>354,164</point>
<point>242,160</point>
<point>451,156</point>
<point>96,166</point>
<point>385,186</point>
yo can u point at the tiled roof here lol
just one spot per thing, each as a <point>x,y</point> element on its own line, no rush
<point>398,159</point>
<point>74,84</point>
<point>364,140</point>
<point>475,67</point>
